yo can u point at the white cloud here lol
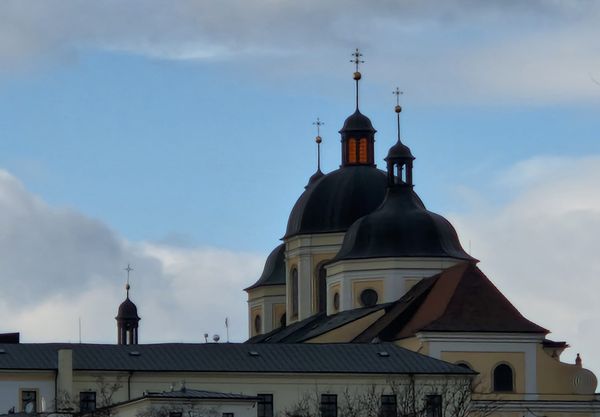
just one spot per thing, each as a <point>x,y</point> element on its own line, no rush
<point>58,266</point>
<point>541,247</point>
<point>509,50</point>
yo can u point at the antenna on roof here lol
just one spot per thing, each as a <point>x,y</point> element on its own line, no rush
<point>216,338</point>
<point>227,327</point>
<point>205,337</point>
<point>79,329</point>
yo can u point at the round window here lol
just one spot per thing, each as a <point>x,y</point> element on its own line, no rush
<point>336,301</point>
<point>257,323</point>
<point>368,297</point>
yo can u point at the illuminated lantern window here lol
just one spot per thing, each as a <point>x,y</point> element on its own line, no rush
<point>362,151</point>
<point>352,151</point>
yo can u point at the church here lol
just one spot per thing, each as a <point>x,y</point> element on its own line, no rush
<point>369,307</point>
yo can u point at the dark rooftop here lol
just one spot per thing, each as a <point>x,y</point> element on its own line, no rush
<point>229,357</point>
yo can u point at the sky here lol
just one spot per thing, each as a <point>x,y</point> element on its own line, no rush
<point>177,135</point>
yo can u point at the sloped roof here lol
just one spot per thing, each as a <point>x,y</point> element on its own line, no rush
<point>459,299</point>
<point>198,394</point>
<point>274,270</point>
<point>314,326</point>
<point>346,358</point>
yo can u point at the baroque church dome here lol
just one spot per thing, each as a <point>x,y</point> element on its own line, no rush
<point>401,227</point>
<point>336,200</point>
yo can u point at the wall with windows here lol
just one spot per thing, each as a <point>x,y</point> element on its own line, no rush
<point>364,281</point>
<point>186,408</point>
<point>17,388</point>
<point>266,307</point>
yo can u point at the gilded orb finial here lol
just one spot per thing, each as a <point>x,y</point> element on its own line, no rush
<point>398,108</point>
<point>318,139</point>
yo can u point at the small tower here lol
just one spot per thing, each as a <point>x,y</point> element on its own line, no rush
<point>358,133</point>
<point>399,159</point>
<point>127,318</point>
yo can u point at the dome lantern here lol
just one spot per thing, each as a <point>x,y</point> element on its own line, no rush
<point>399,159</point>
<point>358,134</point>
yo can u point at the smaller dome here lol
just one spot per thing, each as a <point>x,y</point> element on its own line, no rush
<point>401,227</point>
<point>274,270</point>
<point>127,311</point>
<point>358,122</point>
<point>399,151</point>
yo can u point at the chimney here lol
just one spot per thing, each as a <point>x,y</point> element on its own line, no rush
<point>64,380</point>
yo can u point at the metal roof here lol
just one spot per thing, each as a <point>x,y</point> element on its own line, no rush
<point>198,394</point>
<point>229,357</point>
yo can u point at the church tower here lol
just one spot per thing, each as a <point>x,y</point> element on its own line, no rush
<point>127,318</point>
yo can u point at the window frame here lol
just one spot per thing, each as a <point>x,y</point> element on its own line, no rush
<point>433,405</point>
<point>388,408</point>
<point>88,401</point>
<point>328,405</point>
<point>512,377</point>
<point>294,280</point>
<point>36,398</point>
<point>264,405</point>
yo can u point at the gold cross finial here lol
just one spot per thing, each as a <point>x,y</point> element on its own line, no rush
<point>356,58</point>
<point>318,123</point>
<point>128,269</point>
<point>397,93</point>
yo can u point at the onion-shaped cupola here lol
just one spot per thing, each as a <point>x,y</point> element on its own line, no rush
<point>333,201</point>
<point>127,318</point>
<point>358,133</point>
<point>274,270</point>
<point>401,226</point>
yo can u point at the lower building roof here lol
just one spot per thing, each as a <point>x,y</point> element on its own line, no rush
<point>384,358</point>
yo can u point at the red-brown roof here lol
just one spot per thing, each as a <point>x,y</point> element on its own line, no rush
<point>459,299</point>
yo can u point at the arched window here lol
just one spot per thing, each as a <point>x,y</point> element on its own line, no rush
<point>362,151</point>
<point>321,276</point>
<point>352,151</point>
<point>257,324</point>
<point>503,378</point>
<point>294,292</point>
<point>282,320</point>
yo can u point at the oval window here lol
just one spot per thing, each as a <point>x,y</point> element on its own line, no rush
<point>368,297</point>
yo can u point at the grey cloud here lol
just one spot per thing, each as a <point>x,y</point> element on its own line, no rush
<point>541,247</point>
<point>536,50</point>
<point>59,265</point>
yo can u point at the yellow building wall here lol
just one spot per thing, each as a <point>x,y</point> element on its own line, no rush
<point>556,380</point>
<point>278,312</point>
<point>254,312</point>
<point>360,286</point>
<point>485,362</point>
<point>414,344</point>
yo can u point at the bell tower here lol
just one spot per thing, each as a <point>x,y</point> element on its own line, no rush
<point>127,318</point>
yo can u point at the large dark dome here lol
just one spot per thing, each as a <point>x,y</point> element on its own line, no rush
<point>127,311</point>
<point>401,227</point>
<point>274,270</point>
<point>337,200</point>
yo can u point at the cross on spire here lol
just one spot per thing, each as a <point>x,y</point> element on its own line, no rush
<point>398,108</point>
<point>356,60</point>
<point>128,269</point>
<point>318,139</point>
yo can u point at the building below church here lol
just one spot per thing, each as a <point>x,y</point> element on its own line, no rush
<point>369,307</point>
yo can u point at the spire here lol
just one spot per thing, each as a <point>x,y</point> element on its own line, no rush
<point>399,159</point>
<point>398,108</point>
<point>318,174</point>
<point>127,286</point>
<point>318,140</point>
<point>356,60</point>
